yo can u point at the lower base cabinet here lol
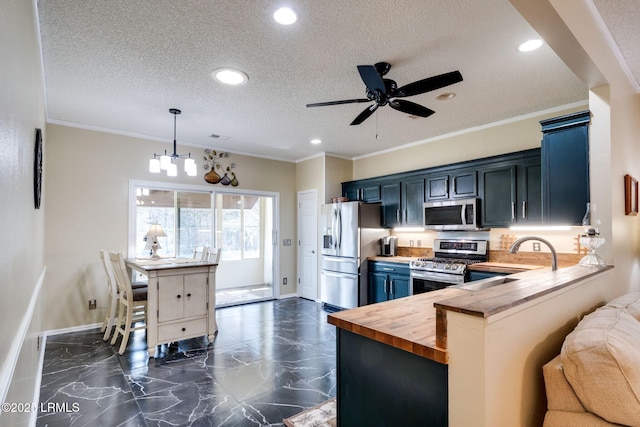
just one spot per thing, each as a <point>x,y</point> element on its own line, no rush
<point>387,281</point>
<point>381,385</point>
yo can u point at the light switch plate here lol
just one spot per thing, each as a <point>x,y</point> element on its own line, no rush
<point>287,242</point>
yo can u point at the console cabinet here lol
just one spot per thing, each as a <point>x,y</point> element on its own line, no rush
<point>180,301</point>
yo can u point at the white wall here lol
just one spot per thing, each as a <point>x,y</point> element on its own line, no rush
<point>21,226</point>
<point>88,177</point>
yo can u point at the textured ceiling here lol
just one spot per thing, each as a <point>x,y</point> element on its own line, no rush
<point>119,65</point>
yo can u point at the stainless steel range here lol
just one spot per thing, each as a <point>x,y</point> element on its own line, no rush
<point>449,266</point>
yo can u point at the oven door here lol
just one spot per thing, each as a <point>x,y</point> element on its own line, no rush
<point>427,281</point>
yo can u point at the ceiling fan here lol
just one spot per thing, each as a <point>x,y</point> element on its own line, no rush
<point>385,91</point>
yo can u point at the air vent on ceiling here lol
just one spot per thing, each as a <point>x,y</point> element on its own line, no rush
<point>222,137</point>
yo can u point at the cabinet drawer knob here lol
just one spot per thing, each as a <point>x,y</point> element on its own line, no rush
<point>179,296</point>
<point>184,329</point>
<point>189,295</point>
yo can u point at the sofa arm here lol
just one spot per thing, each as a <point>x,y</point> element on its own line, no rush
<point>560,395</point>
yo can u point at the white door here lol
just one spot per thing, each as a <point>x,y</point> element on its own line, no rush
<point>308,244</point>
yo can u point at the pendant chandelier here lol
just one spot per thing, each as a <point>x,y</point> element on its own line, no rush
<point>167,161</point>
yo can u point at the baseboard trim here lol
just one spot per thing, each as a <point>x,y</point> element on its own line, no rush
<point>294,295</point>
<point>80,328</point>
<point>7,370</point>
<point>33,419</point>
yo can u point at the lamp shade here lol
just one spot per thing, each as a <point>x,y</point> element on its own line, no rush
<point>165,161</point>
<point>154,166</point>
<point>156,231</point>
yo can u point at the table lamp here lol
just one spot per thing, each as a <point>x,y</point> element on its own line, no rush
<point>154,232</point>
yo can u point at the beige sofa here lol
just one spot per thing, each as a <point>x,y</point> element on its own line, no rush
<point>595,380</point>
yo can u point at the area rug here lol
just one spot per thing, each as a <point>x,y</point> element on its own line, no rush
<point>322,415</point>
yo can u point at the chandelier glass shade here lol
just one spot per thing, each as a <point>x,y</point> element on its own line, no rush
<point>167,161</point>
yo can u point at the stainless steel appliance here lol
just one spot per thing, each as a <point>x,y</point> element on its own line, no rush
<point>451,215</point>
<point>448,267</point>
<point>351,232</point>
<point>389,246</point>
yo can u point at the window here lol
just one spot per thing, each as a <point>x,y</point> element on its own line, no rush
<point>185,217</point>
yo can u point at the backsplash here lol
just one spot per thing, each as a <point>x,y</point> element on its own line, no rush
<point>420,244</point>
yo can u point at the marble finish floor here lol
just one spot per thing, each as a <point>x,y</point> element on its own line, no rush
<point>269,361</point>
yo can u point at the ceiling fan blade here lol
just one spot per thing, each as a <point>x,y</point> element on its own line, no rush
<point>365,114</point>
<point>410,108</point>
<point>371,78</point>
<point>345,101</point>
<point>429,84</point>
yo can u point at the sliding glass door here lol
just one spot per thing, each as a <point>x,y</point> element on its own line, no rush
<point>241,224</point>
<point>244,231</point>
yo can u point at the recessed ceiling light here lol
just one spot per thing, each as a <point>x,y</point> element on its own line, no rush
<point>530,45</point>
<point>285,16</point>
<point>316,141</point>
<point>445,96</point>
<point>229,76</point>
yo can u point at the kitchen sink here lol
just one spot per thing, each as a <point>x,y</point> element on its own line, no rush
<point>486,283</point>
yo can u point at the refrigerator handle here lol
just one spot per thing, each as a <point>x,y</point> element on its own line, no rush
<point>339,228</point>
<point>334,225</point>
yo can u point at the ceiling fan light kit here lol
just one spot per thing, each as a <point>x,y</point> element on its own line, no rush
<point>386,91</point>
<point>166,161</point>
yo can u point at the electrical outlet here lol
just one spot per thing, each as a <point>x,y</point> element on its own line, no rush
<point>92,304</point>
<point>410,242</point>
<point>419,243</point>
<point>286,242</point>
<point>284,281</point>
<point>536,246</point>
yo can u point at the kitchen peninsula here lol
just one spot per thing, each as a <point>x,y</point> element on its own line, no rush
<point>394,358</point>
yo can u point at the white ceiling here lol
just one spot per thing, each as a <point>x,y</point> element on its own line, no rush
<point>119,66</point>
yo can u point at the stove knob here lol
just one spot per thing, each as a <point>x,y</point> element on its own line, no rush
<point>447,266</point>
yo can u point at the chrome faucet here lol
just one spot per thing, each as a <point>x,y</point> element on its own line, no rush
<point>554,258</point>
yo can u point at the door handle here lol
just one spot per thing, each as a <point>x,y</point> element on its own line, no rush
<point>524,209</point>
<point>513,211</point>
<point>391,292</point>
<point>312,251</point>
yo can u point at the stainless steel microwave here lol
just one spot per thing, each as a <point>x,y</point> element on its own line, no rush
<point>451,215</point>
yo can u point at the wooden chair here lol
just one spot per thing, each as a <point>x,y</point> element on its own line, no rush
<point>214,255</point>
<point>112,298</point>
<point>132,303</point>
<point>200,253</point>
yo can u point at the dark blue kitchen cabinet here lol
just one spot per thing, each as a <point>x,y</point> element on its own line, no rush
<point>387,281</point>
<point>512,192</point>
<point>402,202</point>
<point>565,168</point>
<point>452,185</point>
<point>366,191</point>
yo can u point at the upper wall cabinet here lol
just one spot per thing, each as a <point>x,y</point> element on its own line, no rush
<point>565,168</point>
<point>458,184</point>
<point>511,192</point>
<point>402,202</point>
<point>366,191</point>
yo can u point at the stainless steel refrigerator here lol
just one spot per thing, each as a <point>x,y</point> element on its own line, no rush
<point>351,232</point>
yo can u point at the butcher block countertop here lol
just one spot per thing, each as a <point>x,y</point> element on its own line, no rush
<point>417,323</point>
<point>406,323</point>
